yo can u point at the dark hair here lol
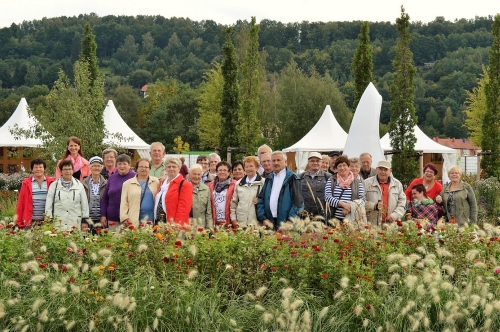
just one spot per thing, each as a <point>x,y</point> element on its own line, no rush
<point>420,188</point>
<point>236,163</point>
<point>77,141</point>
<point>123,158</point>
<point>65,162</point>
<point>201,158</point>
<point>342,159</point>
<point>142,159</point>
<point>38,161</point>
<point>432,167</point>
<point>222,163</point>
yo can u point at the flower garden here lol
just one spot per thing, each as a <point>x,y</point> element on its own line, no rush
<point>314,278</point>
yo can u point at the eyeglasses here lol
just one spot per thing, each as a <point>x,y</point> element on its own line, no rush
<point>143,167</point>
<point>67,170</point>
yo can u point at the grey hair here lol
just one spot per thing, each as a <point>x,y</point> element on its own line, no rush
<point>365,154</point>
<point>173,160</point>
<point>279,152</point>
<point>354,161</point>
<point>214,155</point>
<point>264,146</point>
<point>108,150</point>
<point>157,143</point>
<point>196,166</point>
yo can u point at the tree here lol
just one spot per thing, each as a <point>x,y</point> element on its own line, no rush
<point>230,105</point>
<point>128,104</point>
<point>148,43</point>
<point>209,106</point>
<point>179,145</point>
<point>403,119</point>
<point>139,78</point>
<point>476,107</point>
<point>249,126</point>
<point>88,53</point>
<point>491,121</point>
<point>362,63</point>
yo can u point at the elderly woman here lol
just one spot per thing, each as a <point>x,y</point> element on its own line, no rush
<point>342,189</point>
<point>174,200</point>
<point>75,154</point>
<point>110,201</point>
<point>213,160</point>
<point>325,163</point>
<point>66,200</point>
<point>221,193</point>
<point>202,208</point>
<point>138,193</point>
<point>355,167</point>
<point>237,169</point>
<point>458,199</point>
<point>246,191</point>
<point>422,206</point>
<point>94,185</point>
<point>431,185</point>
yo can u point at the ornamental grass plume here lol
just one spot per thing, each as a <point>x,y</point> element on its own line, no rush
<point>260,292</point>
<point>37,278</point>
<point>105,252</point>
<point>142,247</point>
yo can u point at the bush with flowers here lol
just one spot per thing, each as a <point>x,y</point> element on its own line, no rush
<point>311,278</point>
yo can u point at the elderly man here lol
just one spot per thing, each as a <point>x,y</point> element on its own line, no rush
<point>109,157</point>
<point>157,152</point>
<point>266,164</point>
<point>366,166</point>
<point>385,197</point>
<point>263,149</point>
<point>281,197</point>
<point>333,157</point>
<point>313,186</point>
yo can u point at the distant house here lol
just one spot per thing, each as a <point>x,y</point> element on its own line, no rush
<point>463,146</point>
<point>144,90</point>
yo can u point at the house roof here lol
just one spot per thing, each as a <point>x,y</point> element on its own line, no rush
<point>457,143</point>
<point>144,88</point>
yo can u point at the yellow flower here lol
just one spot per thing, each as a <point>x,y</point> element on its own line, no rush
<point>101,267</point>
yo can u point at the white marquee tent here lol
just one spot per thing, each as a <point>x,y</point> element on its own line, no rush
<point>364,130</point>
<point>427,145</point>
<point>325,136</point>
<point>19,119</point>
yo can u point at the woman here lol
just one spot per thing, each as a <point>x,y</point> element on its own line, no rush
<point>422,206</point>
<point>33,195</point>
<point>355,167</point>
<point>325,163</point>
<point>246,191</point>
<point>66,199</point>
<point>138,194</point>
<point>174,200</point>
<point>184,169</point>
<point>342,189</point>
<point>110,202</point>
<point>458,199</point>
<point>202,208</point>
<point>237,169</point>
<point>94,189</point>
<point>432,186</point>
<point>221,193</point>
<point>74,153</point>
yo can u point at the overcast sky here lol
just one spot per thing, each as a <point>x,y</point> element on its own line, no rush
<point>229,11</point>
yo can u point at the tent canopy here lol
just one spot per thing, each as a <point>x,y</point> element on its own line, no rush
<point>19,119</point>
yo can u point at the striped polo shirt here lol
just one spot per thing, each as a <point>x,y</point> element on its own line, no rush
<point>39,192</point>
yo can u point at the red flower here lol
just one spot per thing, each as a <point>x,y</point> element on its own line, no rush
<point>109,245</point>
<point>131,255</point>
<point>336,240</point>
<point>324,276</point>
<point>42,266</point>
<point>166,259</point>
<point>274,268</point>
<point>419,226</point>
<point>179,267</point>
<point>368,307</point>
<point>200,229</point>
<point>294,253</point>
<point>399,223</point>
<point>306,255</point>
<point>131,227</point>
<point>317,249</point>
<point>64,269</point>
<point>189,262</point>
<point>71,280</point>
<point>112,223</point>
<point>419,234</point>
<point>441,241</point>
<point>149,222</point>
<point>263,267</point>
<point>178,243</point>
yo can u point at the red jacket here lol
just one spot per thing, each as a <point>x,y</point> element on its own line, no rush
<point>229,196</point>
<point>24,210</point>
<point>179,204</point>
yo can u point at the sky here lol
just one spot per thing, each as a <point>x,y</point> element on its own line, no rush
<point>230,11</point>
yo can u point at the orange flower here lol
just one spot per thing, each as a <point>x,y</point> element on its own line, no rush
<point>159,236</point>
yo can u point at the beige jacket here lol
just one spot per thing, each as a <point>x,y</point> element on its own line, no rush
<point>202,206</point>
<point>242,205</point>
<point>373,193</point>
<point>130,205</point>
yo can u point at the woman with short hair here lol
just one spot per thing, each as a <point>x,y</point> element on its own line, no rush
<point>94,185</point>
<point>221,192</point>
<point>422,206</point>
<point>355,167</point>
<point>237,170</point>
<point>431,185</point>
<point>202,207</point>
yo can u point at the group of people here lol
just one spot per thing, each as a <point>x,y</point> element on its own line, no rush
<point>258,190</point>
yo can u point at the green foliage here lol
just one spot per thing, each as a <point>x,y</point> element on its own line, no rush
<point>403,119</point>
<point>88,55</point>
<point>230,105</point>
<point>209,106</point>
<point>491,121</point>
<point>488,198</point>
<point>362,63</point>
<point>476,108</point>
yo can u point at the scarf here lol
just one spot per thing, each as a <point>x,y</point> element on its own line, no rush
<point>77,163</point>
<point>425,202</point>
<point>221,186</point>
<point>66,184</point>
<point>345,183</point>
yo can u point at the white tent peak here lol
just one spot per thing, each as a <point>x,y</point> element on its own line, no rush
<point>115,125</point>
<point>22,120</point>
<point>364,133</point>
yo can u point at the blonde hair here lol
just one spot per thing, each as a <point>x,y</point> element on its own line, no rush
<point>455,168</point>
<point>173,160</point>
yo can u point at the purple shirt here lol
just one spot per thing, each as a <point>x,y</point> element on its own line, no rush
<point>110,201</point>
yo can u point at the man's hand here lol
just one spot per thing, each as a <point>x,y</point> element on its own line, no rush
<point>104,222</point>
<point>267,223</point>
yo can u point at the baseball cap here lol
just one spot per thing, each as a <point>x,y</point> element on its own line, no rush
<point>334,153</point>
<point>96,159</point>
<point>384,164</point>
<point>314,154</point>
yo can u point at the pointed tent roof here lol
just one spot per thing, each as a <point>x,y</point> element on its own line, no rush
<point>424,143</point>
<point>326,135</point>
<point>114,124</point>
<point>364,130</point>
<point>20,119</point>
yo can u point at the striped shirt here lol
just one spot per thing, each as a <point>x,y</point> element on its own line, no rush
<point>39,192</point>
<point>339,194</point>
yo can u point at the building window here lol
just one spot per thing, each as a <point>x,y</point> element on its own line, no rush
<point>12,169</point>
<point>465,152</point>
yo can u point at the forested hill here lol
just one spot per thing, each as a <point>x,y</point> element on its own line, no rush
<point>133,51</point>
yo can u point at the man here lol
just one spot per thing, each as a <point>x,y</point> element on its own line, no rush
<point>203,161</point>
<point>213,160</point>
<point>33,195</point>
<point>157,152</point>
<point>385,197</point>
<point>109,157</point>
<point>366,166</point>
<point>263,149</point>
<point>313,186</point>
<point>333,157</point>
<point>281,197</point>
<point>266,164</point>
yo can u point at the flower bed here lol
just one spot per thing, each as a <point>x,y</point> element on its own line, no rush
<point>157,278</point>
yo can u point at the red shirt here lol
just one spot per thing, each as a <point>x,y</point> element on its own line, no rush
<point>431,192</point>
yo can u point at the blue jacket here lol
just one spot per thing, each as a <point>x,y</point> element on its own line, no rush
<point>290,200</point>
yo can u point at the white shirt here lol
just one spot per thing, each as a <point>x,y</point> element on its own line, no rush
<point>275,191</point>
<point>163,191</point>
<point>249,181</point>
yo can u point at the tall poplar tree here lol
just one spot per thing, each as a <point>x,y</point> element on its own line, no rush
<point>403,119</point>
<point>89,53</point>
<point>230,105</point>
<point>362,63</point>
<point>491,121</point>
<point>249,124</point>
